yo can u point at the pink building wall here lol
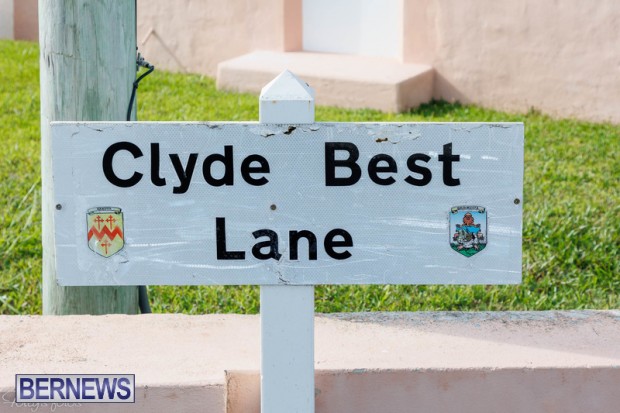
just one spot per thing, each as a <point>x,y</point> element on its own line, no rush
<point>561,58</point>
<point>26,20</point>
<point>195,35</point>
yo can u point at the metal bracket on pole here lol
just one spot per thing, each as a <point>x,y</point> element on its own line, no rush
<point>287,311</point>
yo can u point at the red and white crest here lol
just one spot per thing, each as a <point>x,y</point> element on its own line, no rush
<point>105,230</point>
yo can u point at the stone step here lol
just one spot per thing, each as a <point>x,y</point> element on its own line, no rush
<point>338,80</point>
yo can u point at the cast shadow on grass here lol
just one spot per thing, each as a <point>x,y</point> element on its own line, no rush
<point>436,108</point>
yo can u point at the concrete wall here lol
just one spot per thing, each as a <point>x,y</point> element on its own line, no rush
<point>518,362</point>
<point>560,57</point>
<point>195,35</point>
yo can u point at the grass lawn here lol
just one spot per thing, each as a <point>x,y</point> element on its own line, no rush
<point>571,239</point>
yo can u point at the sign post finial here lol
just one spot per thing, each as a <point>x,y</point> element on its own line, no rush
<point>286,99</point>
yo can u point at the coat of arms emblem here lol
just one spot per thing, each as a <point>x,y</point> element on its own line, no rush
<point>105,230</point>
<point>468,229</point>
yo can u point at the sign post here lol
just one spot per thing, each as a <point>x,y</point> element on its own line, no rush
<point>287,311</point>
<point>287,203</point>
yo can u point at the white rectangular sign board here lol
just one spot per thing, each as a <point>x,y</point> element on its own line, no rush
<point>325,203</point>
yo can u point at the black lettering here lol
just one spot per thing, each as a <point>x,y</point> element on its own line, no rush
<point>330,243</point>
<point>108,170</point>
<point>155,178</point>
<point>220,240</point>
<point>447,158</point>
<point>227,159</point>
<point>271,243</point>
<point>184,174</point>
<point>331,164</point>
<point>295,236</point>
<point>374,169</point>
<point>413,167</point>
<point>247,169</point>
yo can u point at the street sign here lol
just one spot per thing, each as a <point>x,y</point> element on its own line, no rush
<point>323,203</point>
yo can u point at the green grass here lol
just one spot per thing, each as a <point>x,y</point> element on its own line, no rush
<point>571,239</point>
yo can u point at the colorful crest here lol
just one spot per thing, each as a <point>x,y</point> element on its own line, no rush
<point>105,230</point>
<point>468,229</point>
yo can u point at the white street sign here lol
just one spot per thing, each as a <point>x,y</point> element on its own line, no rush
<point>324,203</point>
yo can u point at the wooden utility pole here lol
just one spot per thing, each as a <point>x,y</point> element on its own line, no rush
<point>88,65</point>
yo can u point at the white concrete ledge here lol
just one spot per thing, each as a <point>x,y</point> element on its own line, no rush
<point>339,80</point>
<point>393,362</point>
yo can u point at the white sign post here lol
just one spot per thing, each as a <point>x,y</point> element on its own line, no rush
<point>287,311</point>
<point>287,203</point>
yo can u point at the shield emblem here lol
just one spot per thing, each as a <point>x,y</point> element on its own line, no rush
<point>468,229</point>
<point>105,230</point>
